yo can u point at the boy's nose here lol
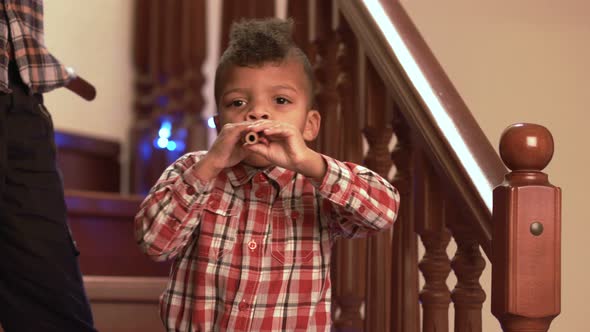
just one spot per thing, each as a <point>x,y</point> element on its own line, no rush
<point>258,113</point>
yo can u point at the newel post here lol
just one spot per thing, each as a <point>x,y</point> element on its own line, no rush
<point>526,245</point>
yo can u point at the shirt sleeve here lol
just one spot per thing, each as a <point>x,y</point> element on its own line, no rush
<point>168,215</point>
<point>356,201</point>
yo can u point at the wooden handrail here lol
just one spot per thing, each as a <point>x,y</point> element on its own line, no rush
<point>80,86</point>
<point>433,108</point>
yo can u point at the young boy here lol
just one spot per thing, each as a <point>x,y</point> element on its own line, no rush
<point>251,226</point>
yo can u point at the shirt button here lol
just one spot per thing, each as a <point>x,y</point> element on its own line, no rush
<point>362,209</point>
<point>259,193</point>
<point>252,245</point>
<point>243,305</point>
<point>190,190</point>
<point>294,215</point>
<point>259,178</point>
<point>335,188</point>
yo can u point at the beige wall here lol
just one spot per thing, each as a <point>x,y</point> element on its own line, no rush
<point>95,38</point>
<point>527,60</point>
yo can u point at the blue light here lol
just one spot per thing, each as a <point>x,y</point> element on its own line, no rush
<point>145,150</point>
<point>165,129</point>
<point>211,123</point>
<point>162,101</point>
<point>171,146</point>
<point>162,142</point>
<point>180,145</point>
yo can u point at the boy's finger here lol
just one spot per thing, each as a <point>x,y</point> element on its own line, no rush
<point>235,130</point>
<point>260,125</point>
<point>279,130</point>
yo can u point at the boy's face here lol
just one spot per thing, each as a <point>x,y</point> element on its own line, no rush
<point>272,91</point>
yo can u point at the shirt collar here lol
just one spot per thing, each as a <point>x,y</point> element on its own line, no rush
<point>241,173</point>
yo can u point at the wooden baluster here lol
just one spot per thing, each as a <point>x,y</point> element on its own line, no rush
<point>350,139</point>
<point>235,10</point>
<point>378,132</point>
<point>150,22</point>
<point>468,264</point>
<point>169,52</point>
<point>435,265</point>
<point>405,311</point>
<point>193,50</point>
<point>303,14</point>
<point>298,10</point>
<point>352,254</point>
<point>526,246</point>
<point>325,48</point>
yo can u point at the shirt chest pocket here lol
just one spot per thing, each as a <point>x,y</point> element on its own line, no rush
<point>294,238</point>
<point>217,234</point>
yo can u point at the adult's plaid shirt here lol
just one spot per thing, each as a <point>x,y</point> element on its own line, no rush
<point>252,247</point>
<point>21,29</point>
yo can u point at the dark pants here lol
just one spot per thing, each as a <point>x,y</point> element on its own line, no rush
<point>41,286</point>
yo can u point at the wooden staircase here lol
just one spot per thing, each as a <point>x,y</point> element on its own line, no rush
<point>385,96</point>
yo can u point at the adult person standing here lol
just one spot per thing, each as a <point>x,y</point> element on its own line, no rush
<point>41,286</point>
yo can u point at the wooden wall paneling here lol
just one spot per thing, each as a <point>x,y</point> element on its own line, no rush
<point>430,204</point>
<point>405,310</point>
<point>378,132</point>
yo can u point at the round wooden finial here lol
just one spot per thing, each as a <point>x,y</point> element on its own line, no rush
<point>526,147</point>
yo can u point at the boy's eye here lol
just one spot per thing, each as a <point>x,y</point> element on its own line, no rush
<point>282,101</point>
<point>237,103</point>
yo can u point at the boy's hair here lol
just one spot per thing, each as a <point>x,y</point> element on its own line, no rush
<point>255,42</point>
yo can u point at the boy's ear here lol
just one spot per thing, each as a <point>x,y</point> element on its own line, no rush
<point>312,125</point>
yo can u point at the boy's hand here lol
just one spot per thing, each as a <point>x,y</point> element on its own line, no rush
<point>225,152</point>
<point>283,145</point>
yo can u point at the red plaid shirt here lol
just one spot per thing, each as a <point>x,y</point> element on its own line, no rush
<point>21,32</point>
<point>253,246</point>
